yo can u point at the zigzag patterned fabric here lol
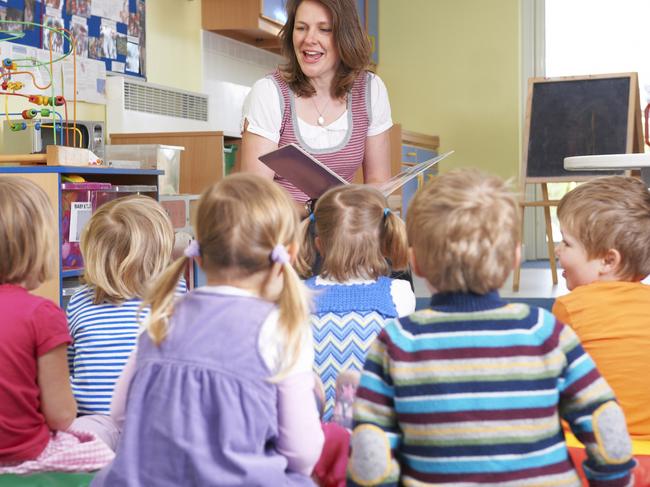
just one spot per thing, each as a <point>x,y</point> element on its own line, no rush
<point>346,321</point>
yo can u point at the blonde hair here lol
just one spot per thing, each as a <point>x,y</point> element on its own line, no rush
<point>611,213</point>
<point>356,235</point>
<point>240,220</point>
<point>125,245</point>
<point>27,237</point>
<point>463,227</point>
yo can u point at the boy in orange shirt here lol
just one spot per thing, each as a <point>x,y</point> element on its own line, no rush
<point>605,254</point>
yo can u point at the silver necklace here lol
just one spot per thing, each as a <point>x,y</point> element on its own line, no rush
<point>321,119</point>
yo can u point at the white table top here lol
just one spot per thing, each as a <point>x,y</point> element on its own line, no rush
<point>609,162</point>
<point>606,162</point>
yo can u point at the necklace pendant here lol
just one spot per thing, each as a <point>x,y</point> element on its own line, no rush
<point>320,120</point>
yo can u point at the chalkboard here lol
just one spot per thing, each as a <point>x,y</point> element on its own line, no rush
<point>575,116</point>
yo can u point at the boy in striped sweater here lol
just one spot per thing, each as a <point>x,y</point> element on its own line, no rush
<point>471,391</point>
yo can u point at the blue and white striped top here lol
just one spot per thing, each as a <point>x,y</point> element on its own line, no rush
<point>104,335</point>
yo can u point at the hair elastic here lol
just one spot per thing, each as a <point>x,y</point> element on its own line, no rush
<point>192,250</point>
<point>312,218</point>
<point>280,255</point>
<point>386,212</point>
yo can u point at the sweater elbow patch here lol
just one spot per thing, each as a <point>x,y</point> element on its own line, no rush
<point>613,441</point>
<point>370,460</point>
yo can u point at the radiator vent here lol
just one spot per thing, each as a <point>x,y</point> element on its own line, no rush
<point>164,101</point>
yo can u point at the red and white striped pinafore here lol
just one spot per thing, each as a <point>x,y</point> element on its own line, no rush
<point>346,157</point>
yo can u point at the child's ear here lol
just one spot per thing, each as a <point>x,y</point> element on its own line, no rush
<point>292,250</point>
<point>610,262</point>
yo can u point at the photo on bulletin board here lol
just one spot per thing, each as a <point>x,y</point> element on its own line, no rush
<point>103,29</point>
<point>78,7</point>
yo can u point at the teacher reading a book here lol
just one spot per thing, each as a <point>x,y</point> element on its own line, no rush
<point>322,98</point>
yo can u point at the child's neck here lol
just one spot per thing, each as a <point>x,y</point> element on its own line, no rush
<point>252,283</point>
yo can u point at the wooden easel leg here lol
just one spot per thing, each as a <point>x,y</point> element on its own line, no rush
<point>549,235</point>
<point>516,277</point>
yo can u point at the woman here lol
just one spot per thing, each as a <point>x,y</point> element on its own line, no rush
<point>322,99</point>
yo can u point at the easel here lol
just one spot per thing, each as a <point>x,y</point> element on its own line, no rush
<point>633,144</point>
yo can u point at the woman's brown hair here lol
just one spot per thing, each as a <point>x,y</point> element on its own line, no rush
<point>350,40</point>
<point>357,233</point>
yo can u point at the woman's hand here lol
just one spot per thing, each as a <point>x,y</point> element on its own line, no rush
<point>376,162</point>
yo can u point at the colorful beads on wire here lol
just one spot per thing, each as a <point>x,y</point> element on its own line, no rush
<point>29,113</point>
<point>17,126</point>
<point>8,63</point>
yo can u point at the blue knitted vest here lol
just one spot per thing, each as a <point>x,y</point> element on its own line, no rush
<point>346,320</point>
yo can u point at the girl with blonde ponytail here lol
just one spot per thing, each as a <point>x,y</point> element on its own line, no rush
<point>359,240</point>
<point>223,385</point>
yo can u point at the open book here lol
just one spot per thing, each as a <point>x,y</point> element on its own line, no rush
<point>314,178</point>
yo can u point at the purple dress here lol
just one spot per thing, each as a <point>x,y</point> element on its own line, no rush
<point>200,410</point>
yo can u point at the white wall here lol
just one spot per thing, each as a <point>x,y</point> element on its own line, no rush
<point>229,70</point>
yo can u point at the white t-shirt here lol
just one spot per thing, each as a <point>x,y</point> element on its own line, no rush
<point>263,109</point>
<point>400,291</point>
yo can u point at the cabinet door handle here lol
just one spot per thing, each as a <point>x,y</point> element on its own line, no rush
<point>411,154</point>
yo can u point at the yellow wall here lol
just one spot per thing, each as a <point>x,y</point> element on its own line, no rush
<point>174,44</point>
<point>452,69</point>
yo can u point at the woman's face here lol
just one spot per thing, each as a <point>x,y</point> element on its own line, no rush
<point>313,41</point>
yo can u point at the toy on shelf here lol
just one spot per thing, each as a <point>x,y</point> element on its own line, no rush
<point>45,105</point>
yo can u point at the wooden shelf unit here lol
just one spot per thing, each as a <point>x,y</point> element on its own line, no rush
<point>49,178</point>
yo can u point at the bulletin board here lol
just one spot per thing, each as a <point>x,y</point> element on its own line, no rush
<point>112,31</point>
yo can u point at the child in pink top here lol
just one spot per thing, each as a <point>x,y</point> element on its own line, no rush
<point>36,403</point>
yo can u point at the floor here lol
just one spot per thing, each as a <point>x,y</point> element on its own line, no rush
<point>536,286</point>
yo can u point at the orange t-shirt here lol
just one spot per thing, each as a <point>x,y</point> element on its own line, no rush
<point>612,320</point>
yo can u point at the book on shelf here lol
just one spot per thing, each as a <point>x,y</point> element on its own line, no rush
<point>313,178</point>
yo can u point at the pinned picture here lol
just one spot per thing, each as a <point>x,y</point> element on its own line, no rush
<point>133,57</point>
<point>29,13</point>
<point>134,24</point>
<point>80,32</point>
<point>94,48</point>
<point>52,33</point>
<point>53,3</point>
<point>8,18</point>
<point>108,38</point>
<point>78,7</point>
<point>121,44</point>
<point>124,11</point>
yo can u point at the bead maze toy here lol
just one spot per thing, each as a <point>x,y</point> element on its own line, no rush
<point>45,105</point>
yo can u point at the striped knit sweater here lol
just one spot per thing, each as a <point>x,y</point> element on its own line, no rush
<point>471,392</point>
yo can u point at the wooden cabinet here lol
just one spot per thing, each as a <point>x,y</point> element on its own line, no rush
<point>252,21</point>
<point>49,178</point>
<point>409,148</point>
<point>201,161</point>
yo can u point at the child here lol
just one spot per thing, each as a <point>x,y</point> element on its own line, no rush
<point>223,387</point>
<point>605,254</point>
<point>355,233</point>
<point>471,390</point>
<point>36,403</point>
<point>126,244</point>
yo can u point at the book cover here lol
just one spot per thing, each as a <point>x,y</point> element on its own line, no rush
<point>313,178</point>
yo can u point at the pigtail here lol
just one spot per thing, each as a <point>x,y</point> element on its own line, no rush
<point>294,304</point>
<point>394,243</point>
<point>307,254</point>
<point>161,299</point>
